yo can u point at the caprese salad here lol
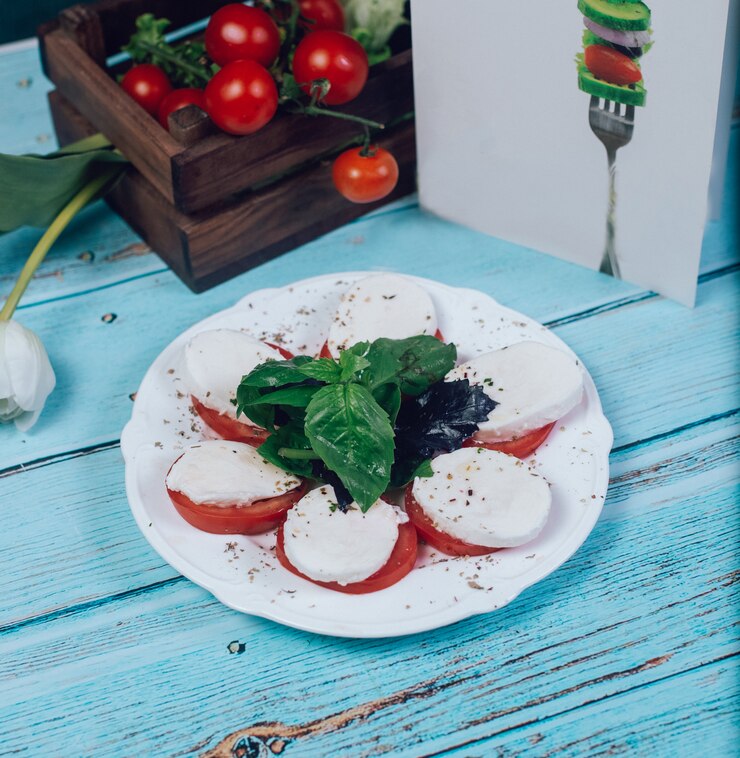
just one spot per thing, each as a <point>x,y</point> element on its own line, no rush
<point>332,440</point>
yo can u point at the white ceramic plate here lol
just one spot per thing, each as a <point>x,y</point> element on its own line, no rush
<point>243,573</point>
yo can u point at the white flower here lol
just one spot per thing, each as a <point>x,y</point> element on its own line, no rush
<point>26,376</point>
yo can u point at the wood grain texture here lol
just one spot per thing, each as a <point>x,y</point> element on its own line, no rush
<point>662,719</point>
<point>606,623</point>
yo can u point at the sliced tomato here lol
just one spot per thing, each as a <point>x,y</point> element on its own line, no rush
<point>610,65</point>
<point>285,353</point>
<point>436,538</point>
<point>255,518</point>
<point>325,353</point>
<point>229,428</point>
<point>521,447</point>
<point>401,561</point>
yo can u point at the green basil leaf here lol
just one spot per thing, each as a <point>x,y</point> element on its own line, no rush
<point>351,364</point>
<point>388,397</point>
<point>353,436</point>
<point>292,438</point>
<point>35,188</point>
<point>261,415</point>
<point>323,369</point>
<point>277,373</point>
<point>424,470</point>
<point>298,397</point>
<point>419,362</point>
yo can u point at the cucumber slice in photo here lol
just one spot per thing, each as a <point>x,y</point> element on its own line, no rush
<point>633,95</point>
<point>626,16</point>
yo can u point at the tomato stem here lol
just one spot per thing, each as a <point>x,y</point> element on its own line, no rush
<point>297,454</point>
<point>176,60</point>
<point>315,110</point>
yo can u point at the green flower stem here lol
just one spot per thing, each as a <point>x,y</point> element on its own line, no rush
<point>297,455</point>
<point>50,236</point>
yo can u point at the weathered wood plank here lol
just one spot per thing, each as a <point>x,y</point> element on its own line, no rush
<point>100,362</point>
<point>666,718</point>
<point>611,620</point>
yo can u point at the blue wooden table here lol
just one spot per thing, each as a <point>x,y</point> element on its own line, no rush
<point>629,648</point>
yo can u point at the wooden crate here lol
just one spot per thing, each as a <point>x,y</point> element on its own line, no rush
<point>217,167</point>
<point>211,246</point>
<point>215,205</point>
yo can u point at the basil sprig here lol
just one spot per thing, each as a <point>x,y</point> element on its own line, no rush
<point>347,418</point>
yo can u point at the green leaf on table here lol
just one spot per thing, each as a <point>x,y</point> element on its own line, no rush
<point>35,188</point>
<point>353,436</point>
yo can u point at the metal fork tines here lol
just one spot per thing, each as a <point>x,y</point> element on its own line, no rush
<point>613,124</point>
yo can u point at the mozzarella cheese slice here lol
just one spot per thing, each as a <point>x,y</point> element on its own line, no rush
<point>215,362</point>
<point>329,545</point>
<point>533,384</point>
<point>221,473</point>
<point>382,305</point>
<point>484,497</point>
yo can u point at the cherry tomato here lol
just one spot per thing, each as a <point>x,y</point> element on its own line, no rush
<point>399,564</point>
<point>148,85</point>
<point>611,65</point>
<point>239,32</point>
<point>242,97</point>
<point>259,516</point>
<point>521,447</point>
<point>179,98</point>
<point>322,14</point>
<point>436,538</point>
<point>333,56</point>
<point>365,178</point>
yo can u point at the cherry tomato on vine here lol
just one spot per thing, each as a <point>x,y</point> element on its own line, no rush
<point>241,98</point>
<point>148,85</point>
<point>322,14</point>
<point>179,98</point>
<point>365,175</point>
<point>333,56</point>
<point>241,32</point>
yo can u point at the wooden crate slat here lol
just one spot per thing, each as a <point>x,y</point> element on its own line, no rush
<point>139,137</point>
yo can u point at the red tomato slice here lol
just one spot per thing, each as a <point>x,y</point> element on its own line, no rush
<point>326,354</point>
<point>229,428</point>
<point>232,429</point>
<point>436,538</point>
<point>610,65</point>
<point>255,518</point>
<point>520,447</point>
<point>399,564</point>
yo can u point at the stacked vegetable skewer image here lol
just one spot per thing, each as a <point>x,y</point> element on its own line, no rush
<point>617,34</point>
